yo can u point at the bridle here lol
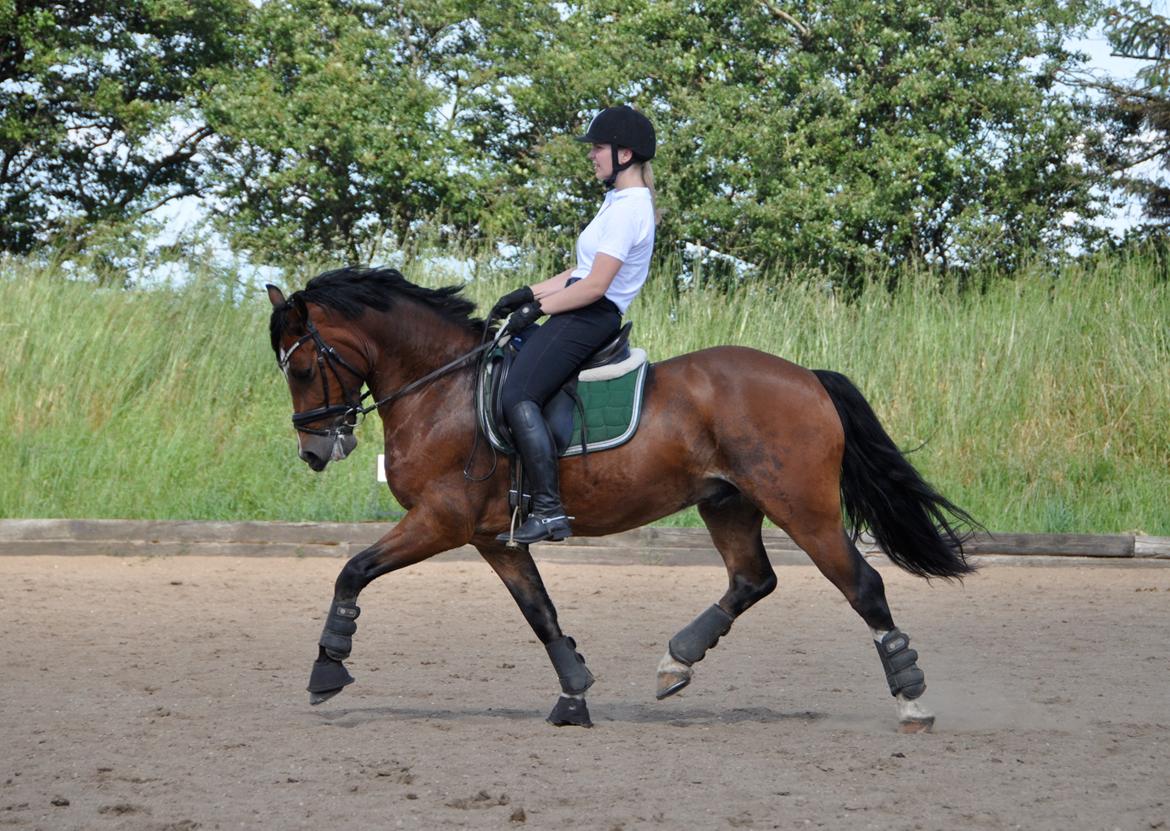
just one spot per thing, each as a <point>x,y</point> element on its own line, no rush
<point>327,359</point>
<point>346,414</point>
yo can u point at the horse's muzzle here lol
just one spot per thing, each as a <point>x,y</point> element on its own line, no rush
<point>318,451</point>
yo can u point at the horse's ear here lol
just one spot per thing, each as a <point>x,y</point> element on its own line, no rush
<point>275,296</point>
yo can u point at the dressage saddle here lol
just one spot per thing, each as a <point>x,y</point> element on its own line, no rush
<point>558,412</point>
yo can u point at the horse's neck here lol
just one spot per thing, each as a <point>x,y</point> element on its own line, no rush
<point>411,341</point>
<point>434,423</point>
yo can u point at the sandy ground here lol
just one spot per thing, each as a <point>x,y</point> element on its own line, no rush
<point>168,693</point>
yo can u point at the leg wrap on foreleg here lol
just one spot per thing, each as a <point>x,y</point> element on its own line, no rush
<point>691,644</point>
<point>570,666</point>
<point>340,624</point>
<point>901,664</point>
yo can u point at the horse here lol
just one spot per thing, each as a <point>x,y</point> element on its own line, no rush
<point>739,433</point>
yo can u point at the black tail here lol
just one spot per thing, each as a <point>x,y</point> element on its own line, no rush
<point>911,521</point>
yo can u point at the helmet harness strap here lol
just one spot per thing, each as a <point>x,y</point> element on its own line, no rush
<point>609,180</point>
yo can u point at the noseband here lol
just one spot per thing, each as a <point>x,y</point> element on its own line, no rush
<point>327,358</point>
<point>346,414</point>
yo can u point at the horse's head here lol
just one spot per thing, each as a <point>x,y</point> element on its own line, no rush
<point>325,385</point>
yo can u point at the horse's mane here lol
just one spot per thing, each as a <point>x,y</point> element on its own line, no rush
<point>351,291</point>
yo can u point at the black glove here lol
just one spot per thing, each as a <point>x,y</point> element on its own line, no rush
<point>511,300</point>
<point>524,317</point>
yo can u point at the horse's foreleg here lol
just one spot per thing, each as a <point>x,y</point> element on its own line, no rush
<point>416,537</point>
<point>734,523</point>
<point>519,573</point>
<point>838,559</point>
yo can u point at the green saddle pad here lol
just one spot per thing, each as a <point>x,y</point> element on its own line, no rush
<point>613,409</point>
<point>612,398</point>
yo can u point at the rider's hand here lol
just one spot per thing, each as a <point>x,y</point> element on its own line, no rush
<point>524,317</point>
<point>510,301</point>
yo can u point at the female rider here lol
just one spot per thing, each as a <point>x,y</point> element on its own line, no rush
<point>584,303</point>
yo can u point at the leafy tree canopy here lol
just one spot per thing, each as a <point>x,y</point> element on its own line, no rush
<point>97,118</point>
<point>1138,113</point>
<point>838,134</point>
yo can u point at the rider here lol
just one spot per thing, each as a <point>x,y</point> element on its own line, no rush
<point>584,303</point>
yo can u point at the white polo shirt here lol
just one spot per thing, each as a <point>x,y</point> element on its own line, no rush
<point>623,229</point>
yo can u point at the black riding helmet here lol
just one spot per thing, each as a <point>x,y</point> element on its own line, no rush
<point>622,127</point>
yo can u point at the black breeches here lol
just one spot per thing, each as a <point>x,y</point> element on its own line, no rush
<point>554,351</point>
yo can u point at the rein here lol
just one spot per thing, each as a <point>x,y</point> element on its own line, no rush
<point>347,413</point>
<point>423,381</point>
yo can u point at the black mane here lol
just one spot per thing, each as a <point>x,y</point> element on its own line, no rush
<point>352,290</point>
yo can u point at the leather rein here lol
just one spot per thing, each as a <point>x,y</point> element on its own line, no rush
<point>346,414</point>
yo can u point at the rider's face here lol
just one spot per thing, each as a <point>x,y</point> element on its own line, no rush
<point>602,160</point>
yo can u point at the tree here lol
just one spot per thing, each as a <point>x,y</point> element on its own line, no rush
<point>96,117</point>
<point>849,135</point>
<point>353,120</point>
<point>1139,112</point>
<point>842,135</point>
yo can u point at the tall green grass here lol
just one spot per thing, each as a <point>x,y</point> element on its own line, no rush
<point>1039,403</point>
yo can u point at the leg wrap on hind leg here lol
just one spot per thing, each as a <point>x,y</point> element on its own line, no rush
<point>691,644</point>
<point>570,666</point>
<point>901,664</point>
<point>340,624</point>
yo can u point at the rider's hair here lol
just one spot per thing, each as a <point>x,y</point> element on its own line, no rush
<point>648,180</point>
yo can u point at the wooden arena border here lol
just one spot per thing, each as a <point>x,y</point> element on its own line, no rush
<point>651,545</point>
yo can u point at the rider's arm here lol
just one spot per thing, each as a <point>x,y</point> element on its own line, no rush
<point>583,292</point>
<point>554,284</point>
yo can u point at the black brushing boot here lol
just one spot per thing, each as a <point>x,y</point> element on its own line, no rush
<point>535,443</point>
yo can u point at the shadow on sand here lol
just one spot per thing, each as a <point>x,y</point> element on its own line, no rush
<point>632,713</point>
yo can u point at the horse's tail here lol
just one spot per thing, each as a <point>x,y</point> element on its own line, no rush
<point>915,525</point>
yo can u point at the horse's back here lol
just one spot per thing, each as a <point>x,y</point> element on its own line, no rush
<point>740,375</point>
<point>747,397</point>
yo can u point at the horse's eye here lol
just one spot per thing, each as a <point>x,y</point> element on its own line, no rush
<point>300,374</point>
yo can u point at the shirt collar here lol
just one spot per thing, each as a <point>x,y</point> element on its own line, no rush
<point>625,193</point>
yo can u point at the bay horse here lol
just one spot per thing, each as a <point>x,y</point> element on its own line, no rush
<point>739,433</point>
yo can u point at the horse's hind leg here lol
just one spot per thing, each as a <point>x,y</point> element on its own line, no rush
<point>519,573</point>
<point>837,557</point>
<point>734,523</point>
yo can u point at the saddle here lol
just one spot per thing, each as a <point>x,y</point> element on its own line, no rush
<point>597,409</point>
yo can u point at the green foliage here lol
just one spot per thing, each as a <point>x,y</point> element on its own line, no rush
<point>1040,402</point>
<point>97,118</point>
<point>1137,32</point>
<point>847,136</point>
<point>837,135</point>
<point>1138,113</point>
<point>350,122</point>
<point>326,137</point>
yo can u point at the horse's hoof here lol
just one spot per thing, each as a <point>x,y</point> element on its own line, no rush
<point>317,698</point>
<point>673,675</point>
<point>570,711</point>
<point>329,677</point>
<point>913,715</point>
<point>916,725</point>
<point>671,682</point>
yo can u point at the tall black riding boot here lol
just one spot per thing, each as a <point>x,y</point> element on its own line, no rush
<point>535,443</point>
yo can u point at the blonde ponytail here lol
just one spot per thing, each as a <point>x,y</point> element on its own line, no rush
<point>648,181</point>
